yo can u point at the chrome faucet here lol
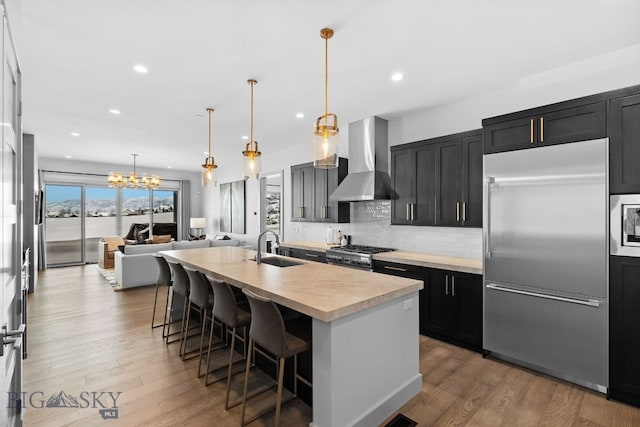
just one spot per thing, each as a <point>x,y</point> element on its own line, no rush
<point>258,254</point>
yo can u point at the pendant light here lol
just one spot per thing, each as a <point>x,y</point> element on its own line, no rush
<point>325,132</point>
<point>209,166</point>
<point>251,154</point>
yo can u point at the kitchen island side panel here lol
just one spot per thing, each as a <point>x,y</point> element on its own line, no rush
<point>366,365</point>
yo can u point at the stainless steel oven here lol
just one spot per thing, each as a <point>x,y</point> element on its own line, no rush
<point>625,225</point>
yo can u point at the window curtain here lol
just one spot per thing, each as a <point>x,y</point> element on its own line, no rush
<point>185,209</point>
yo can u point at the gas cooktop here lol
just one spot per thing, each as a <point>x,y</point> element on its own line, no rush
<point>362,249</point>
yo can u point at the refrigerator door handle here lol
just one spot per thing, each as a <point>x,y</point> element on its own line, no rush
<point>487,241</point>
<point>589,302</point>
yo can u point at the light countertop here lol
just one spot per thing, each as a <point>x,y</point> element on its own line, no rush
<point>463,265</point>
<point>322,291</point>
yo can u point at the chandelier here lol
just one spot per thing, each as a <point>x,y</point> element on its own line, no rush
<point>117,180</point>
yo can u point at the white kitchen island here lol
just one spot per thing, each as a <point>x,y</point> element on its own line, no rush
<point>365,329</point>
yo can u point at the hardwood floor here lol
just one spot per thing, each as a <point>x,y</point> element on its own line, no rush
<point>84,337</point>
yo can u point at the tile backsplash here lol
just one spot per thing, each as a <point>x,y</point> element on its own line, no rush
<point>371,225</point>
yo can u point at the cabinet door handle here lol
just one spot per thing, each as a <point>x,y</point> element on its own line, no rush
<point>326,212</point>
<point>412,217</point>
<point>407,211</point>
<point>388,267</point>
<point>446,285</point>
<point>531,131</point>
<point>464,211</point>
<point>453,286</point>
<point>541,129</point>
<point>311,255</point>
<point>458,211</point>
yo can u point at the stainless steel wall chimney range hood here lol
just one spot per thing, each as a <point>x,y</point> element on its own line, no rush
<point>368,177</point>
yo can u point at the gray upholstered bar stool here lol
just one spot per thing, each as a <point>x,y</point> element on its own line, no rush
<point>163,279</point>
<point>268,331</point>
<point>180,287</point>
<point>202,300</point>
<point>225,309</point>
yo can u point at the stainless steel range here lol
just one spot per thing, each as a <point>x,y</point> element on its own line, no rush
<point>356,256</point>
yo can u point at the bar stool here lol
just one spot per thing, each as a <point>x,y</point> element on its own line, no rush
<point>225,309</point>
<point>202,300</point>
<point>180,287</point>
<point>163,279</point>
<point>268,330</point>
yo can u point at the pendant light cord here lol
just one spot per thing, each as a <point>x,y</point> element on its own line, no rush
<point>326,76</point>
<point>209,153</point>
<point>252,83</point>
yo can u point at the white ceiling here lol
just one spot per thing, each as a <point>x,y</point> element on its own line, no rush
<point>77,58</point>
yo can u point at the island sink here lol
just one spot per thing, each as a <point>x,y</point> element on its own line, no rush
<point>278,262</point>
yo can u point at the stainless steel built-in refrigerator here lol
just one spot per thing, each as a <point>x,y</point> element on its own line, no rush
<point>545,239</point>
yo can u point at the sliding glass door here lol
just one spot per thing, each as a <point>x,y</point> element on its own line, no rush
<point>100,216</point>
<point>63,222</point>
<point>78,215</point>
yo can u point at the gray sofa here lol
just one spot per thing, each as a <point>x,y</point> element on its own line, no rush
<point>136,266</point>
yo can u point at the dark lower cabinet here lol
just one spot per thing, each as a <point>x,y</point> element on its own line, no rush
<point>309,255</point>
<point>624,329</point>
<point>454,307</point>
<point>450,303</point>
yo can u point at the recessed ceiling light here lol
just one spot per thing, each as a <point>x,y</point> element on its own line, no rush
<point>169,167</point>
<point>396,77</point>
<point>114,111</point>
<point>141,69</point>
<point>75,134</point>
<point>68,156</point>
<point>206,153</point>
<point>300,115</point>
<point>245,137</point>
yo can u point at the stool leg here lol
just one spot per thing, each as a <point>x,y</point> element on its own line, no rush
<point>206,378</point>
<point>203,314</point>
<point>233,343</point>
<point>182,331</point>
<point>246,380</point>
<point>279,395</point>
<point>166,308</point>
<point>155,302</point>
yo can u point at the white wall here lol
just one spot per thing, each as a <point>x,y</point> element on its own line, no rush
<point>460,116</point>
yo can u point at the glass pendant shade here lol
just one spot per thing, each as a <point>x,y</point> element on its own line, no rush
<point>209,178</point>
<point>251,162</point>
<point>325,143</point>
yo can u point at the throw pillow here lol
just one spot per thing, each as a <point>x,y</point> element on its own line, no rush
<point>221,237</point>
<point>194,237</point>
<point>166,238</point>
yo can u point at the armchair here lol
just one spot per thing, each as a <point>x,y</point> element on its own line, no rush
<point>107,246</point>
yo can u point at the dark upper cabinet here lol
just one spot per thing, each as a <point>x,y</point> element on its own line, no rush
<point>624,329</point>
<point>402,182</point>
<point>448,182</point>
<point>624,145</point>
<point>550,125</point>
<point>310,191</point>
<point>302,181</point>
<point>472,180</point>
<point>438,181</point>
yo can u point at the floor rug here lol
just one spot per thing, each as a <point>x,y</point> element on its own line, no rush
<point>401,421</point>
<point>110,276</point>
